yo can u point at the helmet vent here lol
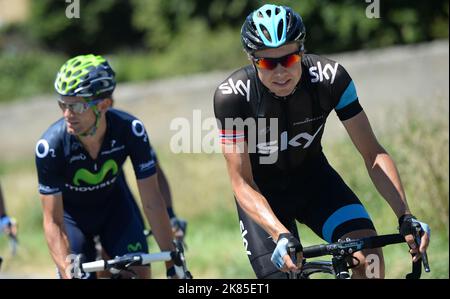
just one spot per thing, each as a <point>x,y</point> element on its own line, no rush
<point>85,75</point>
<point>265,32</point>
<point>280,29</point>
<point>277,10</point>
<point>269,13</point>
<point>260,15</point>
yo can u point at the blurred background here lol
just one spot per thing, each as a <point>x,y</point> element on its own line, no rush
<point>170,55</point>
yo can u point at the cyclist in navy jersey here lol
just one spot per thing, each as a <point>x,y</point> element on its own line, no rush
<point>7,223</point>
<point>271,115</point>
<point>79,161</point>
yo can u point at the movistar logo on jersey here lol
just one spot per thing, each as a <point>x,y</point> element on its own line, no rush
<point>271,147</point>
<point>237,88</point>
<point>95,178</point>
<point>318,73</point>
<point>134,247</point>
<point>92,188</point>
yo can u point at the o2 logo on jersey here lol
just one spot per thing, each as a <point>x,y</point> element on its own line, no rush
<point>320,73</point>
<point>138,129</point>
<point>238,88</point>
<point>43,148</point>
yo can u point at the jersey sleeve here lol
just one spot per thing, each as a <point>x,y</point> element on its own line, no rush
<point>230,108</point>
<point>49,165</point>
<point>345,96</point>
<point>141,153</point>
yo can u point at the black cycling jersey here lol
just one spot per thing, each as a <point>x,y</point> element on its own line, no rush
<point>287,161</point>
<point>64,166</point>
<point>324,85</point>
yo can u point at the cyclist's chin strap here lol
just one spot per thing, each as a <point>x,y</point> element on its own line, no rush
<point>93,129</point>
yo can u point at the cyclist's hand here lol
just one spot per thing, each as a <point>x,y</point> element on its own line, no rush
<point>281,255</point>
<point>178,227</point>
<point>8,226</point>
<point>411,228</point>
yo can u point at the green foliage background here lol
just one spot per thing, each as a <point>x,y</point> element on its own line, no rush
<point>161,38</point>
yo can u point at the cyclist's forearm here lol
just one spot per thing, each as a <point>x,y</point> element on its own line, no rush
<point>156,214</point>
<point>156,211</point>
<point>386,179</point>
<point>157,217</point>
<point>164,188</point>
<point>58,245</point>
<point>257,207</point>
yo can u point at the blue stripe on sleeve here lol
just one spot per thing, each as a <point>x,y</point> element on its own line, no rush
<point>348,96</point>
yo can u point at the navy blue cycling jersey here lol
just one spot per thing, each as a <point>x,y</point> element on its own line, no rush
<point>64,166</point>
<point>324,85</point>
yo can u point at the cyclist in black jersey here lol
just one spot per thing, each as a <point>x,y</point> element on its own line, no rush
<point>79,161</point>
<point>271,115</point>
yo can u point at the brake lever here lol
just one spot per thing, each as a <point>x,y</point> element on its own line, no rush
<point>424,256</point>
<point>417,266</point>
<point>416,270</point>
<point>293,256</point>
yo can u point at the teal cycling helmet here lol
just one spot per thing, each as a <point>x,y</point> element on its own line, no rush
<point>272,26</point>
<point>86,76</point>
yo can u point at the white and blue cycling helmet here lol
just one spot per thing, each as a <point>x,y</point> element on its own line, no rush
<point>272,26</point>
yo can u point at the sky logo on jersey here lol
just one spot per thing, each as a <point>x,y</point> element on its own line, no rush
<point>238,88</point>
<point>95,178</point>
<point>244,232</point>
<point>271,147</point>
<point>320,73</point>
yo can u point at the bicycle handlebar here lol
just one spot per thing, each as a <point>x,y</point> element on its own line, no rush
<point>348,247</point>
<point>127,260</point>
